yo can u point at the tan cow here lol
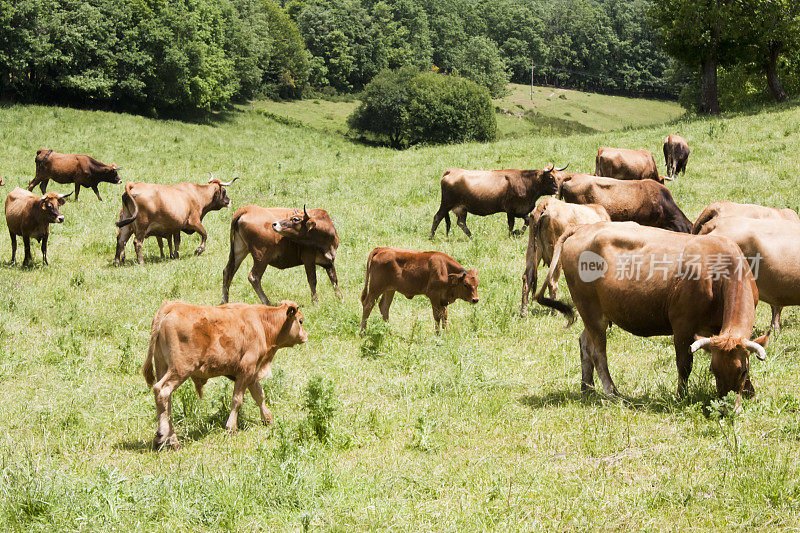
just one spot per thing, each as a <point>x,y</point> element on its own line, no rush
<point>202,342</point>
<point>676,155</point>
<point>82,170</point>
<point>549,221</point>
<point>625,164</point>
<point>281,238</point>
<point>433,274</point>
<point>774,248</point>
<point>732,209</point>
<point>486,192</point>
<point>30,216</point>
<point>643,201</point>
<point>164,211</point>
<point>651,282</point>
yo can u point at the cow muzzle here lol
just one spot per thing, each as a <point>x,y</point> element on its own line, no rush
<point>276,226</point>
<point>59,219</point>
<point>475,300</point>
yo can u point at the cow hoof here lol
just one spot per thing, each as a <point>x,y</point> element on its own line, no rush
<point>199,251</point>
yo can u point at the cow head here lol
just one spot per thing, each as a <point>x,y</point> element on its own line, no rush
<point>550,179</point>
<point>111,174</point>
<point>292,332</point>
<point>220,199</point>
<point>464,285</point>
<point>730,360</point>
<point>50,204</point>
<point>297,225</point>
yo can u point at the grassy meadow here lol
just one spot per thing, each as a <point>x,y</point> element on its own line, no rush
<point>482,428</point>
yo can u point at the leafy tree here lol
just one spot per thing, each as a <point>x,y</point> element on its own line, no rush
<point>383,106</point>
<point>480,62</point>
<point>288,70</point>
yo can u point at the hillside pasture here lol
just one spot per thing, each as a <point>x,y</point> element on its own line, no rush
<point>481,428</point>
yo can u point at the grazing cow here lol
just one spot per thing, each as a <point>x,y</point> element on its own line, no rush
<point>676,155</point>
<point>81,170</point>
<point>624,164</point>
<point>433,274</point>
<point>651,282</point>
<point>2,182</point>
<point>200,342</point>
<point>282,238</point>
<point>30,216</point>
<point>732,209</point>
<point>549,221</point>
<point>643,201</point>
<point>164,211</point>
<point>486,192</point>
<point>774,248</point>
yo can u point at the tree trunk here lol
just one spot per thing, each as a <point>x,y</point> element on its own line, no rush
<point>774,84</point>
<point>709,97</point>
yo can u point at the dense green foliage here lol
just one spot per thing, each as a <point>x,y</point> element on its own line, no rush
<point>409,107</point>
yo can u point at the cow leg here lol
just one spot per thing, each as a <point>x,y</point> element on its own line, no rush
<point>510,217</point>
<point>97,192</point>
<point>331,271</point>
<point>162,390</point>
<point>195,225</point>
<point>385,304</point>
<point>236,402</point>
<point>587,365</point>
<point>442,213</point>
<point>137,245</point>
<point>235,258</point>
<point>28,261</point>
<point>77,191</point>
<point>44,249</point>
<point>596,344</point>
<point>255,280</point>
<point>258,395</point>
<point>439,316</point>
<point>13,248</point>
<point>461,215</point>
<point>775,324</point>
<point>161,246</point>
<point>123,234</point>
<point>367,303</point>
<point>176,237</point>
<point>529,276</point>
<point>684,360</point>
<point>169,245</point>
<point>311,276</point>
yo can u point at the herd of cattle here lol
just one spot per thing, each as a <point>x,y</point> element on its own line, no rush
<point>623,209</point>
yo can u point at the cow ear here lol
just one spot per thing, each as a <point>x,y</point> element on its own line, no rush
<point>763,340</point>
<point>310,224</point>
<point>455,278</point>
<point>291,310</point>
<point>44,204</point>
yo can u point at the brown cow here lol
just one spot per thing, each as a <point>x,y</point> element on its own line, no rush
<point>81,170</point>
<point>676,155</point>
<point>549,221</point>
<point>624,164</point>
<point>282,238</point>
<point>643,201</point>
<point>200,342</point>
<point>30,216</point>
<point>651,282</point>
<point>164,211</point>
<point>433,274</point>
<point>732,209</point>
<point>486,192</point>
<point>774,248</point>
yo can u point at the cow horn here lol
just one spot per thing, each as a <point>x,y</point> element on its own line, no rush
<point>304,211</point>
<point>549,168</point>
<point>115,166</point>
<point>564,167</point>
<point>668,178</point>
<point>226,184</point>
<point>64,195</point>
<point>211,178</point>
<point>761,353</point>
<point>296,212</point>
<point>699,343</point>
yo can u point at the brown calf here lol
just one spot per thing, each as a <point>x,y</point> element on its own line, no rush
<point>81,170</point>
<point>201,342</point>
<point>434,274</point>
<point>625,164</point>
<point>28,215</point>
<point>164,211</point>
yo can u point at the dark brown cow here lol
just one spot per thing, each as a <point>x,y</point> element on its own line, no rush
<point>282,238</point>
<point>732,209</point>
<point>81,170</point>
<point>486,192</point>
<point>643,201</point>
<point>164,211</point>
<point>549,221</point>
<point>202,342</point>
<point>30,216</point>
<point>676,155</point>
<point>774,248</point>
<point>624,164</point>
<point>651,282</point>
<point>433,274</point>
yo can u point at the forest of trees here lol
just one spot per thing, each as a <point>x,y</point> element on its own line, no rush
<point>174,57</point>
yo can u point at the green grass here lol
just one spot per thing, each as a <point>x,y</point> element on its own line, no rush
<point>552,111</point>
<point>480,429</point>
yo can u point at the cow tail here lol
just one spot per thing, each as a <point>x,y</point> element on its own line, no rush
<point>704,218</point>
<point>128,199</point>
<point>234,231</point>
<point>560,190</point>
<point>555,268</point>
<point>366,276</point>
<point>147,367</point>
